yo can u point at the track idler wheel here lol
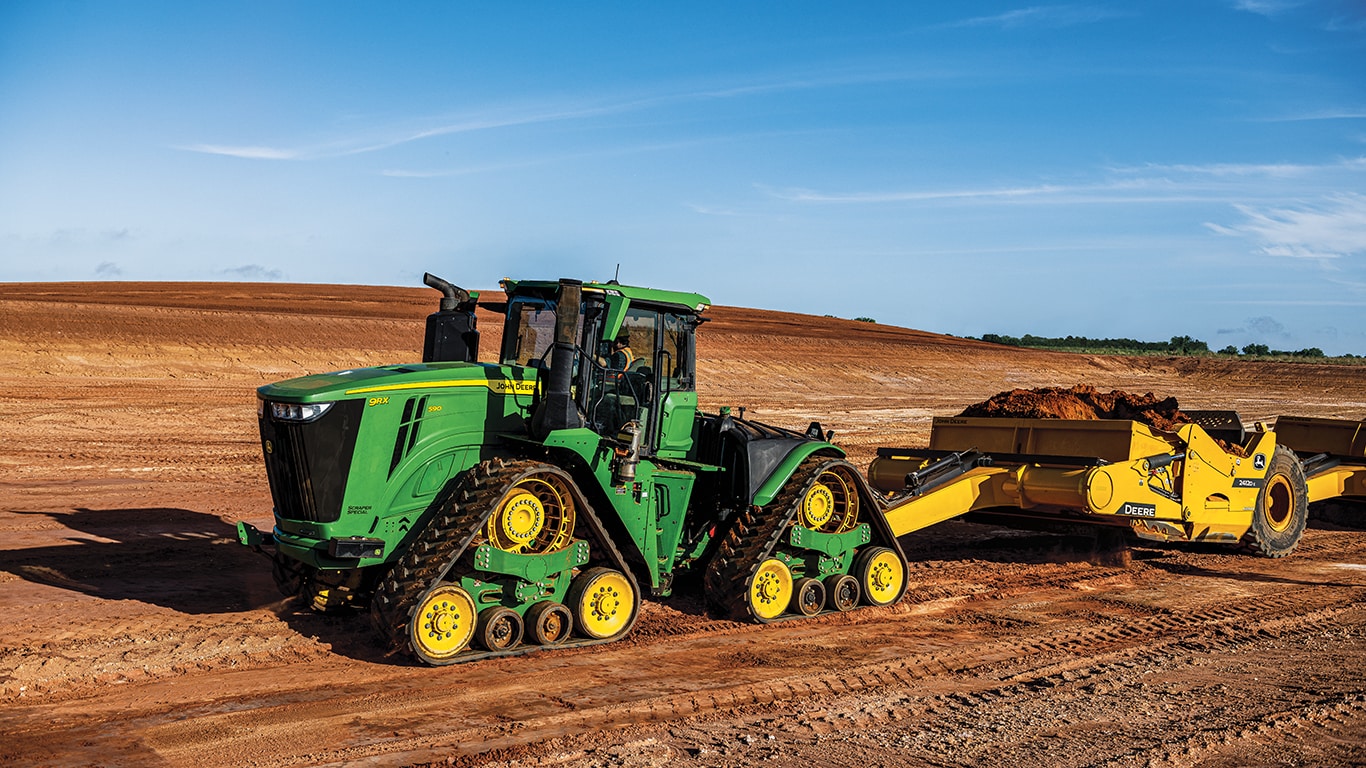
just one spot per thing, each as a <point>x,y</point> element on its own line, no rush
<point>841,592</point>
<point>499,629</point>
<point>549,622</point>
<point>808,597</point>
<point>603,603</point>
<point>881,575</point>
<point>1282,508</point>
<point>443,624</point>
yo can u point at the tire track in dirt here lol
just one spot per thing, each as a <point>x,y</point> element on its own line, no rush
<point>1018,713</point>
<point>70,663</point>
<point>1337,718</point>
<point>214,732</point>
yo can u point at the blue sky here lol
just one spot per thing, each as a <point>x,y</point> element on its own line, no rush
<point>1104,169</point>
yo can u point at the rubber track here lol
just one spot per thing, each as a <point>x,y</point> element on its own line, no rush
<point>461,515</point>
<point>750,540</point>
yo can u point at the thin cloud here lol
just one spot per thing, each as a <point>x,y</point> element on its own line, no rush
<point>1051,16</point>
<point>811,196</point>
<point>254,272</point>
<point>1336,113</point>
<point>1327,232</point>
<point>1266,7</point>
<point>363,144</point>
<point>1124,190</point>
<point>249,153</point>
<point>513,116</point>
<point>1275,170</point>
<point>707,210</point>
<point>1232,183</point>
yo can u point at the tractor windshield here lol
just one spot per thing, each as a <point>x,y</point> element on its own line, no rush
<point>528,332</point>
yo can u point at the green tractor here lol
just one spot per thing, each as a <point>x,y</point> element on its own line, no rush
<point>483,509</point>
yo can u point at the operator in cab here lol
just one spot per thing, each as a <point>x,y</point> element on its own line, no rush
<point>622,356</point>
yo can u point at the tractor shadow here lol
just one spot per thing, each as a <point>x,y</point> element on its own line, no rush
<point>187,561</point>
<point>176,558</point>
<point>957,540</point>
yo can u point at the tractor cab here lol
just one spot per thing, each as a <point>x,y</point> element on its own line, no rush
<point>625,367</point>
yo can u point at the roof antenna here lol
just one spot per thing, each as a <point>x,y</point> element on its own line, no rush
<point>617,275</point>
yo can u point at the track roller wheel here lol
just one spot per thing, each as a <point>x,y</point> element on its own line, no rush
<point>603,603</point>
<point>881,575</point>
<point>841,592</point>
<point>499,629</point>
<point>443,624</point>
<point>1282,507</point>
<point>549,622</point>
<point>770,589</point>
<point>808,597</point>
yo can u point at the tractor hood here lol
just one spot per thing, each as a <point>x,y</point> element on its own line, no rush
<point>390,379</point>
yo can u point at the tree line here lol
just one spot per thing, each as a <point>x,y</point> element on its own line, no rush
<point>1177,345</point>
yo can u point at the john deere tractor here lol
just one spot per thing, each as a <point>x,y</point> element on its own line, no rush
<point>484,509</point>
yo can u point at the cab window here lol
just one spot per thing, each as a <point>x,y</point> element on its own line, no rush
<point>528,332</point>
<point>677,358</point>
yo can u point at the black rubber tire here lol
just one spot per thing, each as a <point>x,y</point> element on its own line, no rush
<point>1282,508</point>
<point>808,597</point>
<point>842,592</point>
<point>499,629</point>
<point>549,622</point>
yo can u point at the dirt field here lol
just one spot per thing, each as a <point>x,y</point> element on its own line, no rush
<point>135,631</point>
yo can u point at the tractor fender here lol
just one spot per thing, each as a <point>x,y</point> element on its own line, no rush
<point>798,453</point>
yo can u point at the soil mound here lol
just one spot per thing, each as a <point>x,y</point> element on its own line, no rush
<point>1081,402</point>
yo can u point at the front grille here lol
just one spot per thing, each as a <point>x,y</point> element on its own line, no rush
<point>308,463</point>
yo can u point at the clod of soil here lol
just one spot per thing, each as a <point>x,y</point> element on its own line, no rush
<point>1081,402</point>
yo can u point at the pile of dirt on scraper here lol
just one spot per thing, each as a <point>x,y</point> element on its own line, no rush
<point>1081,402</point>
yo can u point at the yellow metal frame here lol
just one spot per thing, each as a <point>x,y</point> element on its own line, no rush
<point>1206,494</point>
<point>1338,481</point>
<point>1343,438</point>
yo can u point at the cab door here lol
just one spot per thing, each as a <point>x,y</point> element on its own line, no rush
<point>676,381</point>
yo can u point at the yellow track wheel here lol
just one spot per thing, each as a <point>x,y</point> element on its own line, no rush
<point>603,603</point>
<point>534,517</point>
<point>818,506</point>
<point>443,624</point>
<point>881,575</point>
<point>770,589</point>
<point>830,505</point>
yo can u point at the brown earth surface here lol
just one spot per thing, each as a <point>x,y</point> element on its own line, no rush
<point>135,631</point>
<point>1081,402</point>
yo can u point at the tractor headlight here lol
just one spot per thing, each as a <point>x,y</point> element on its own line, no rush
<point>298,411</point>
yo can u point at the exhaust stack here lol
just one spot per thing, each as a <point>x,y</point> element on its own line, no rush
<point>451,335</point>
